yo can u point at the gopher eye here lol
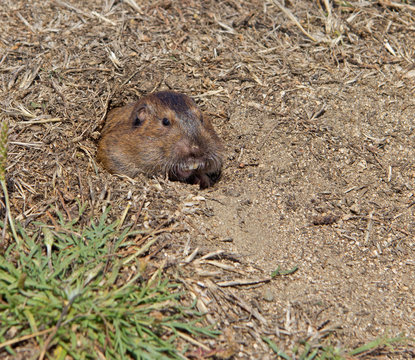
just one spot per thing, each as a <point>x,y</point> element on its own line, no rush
<point>165,122</point>
<point>137,122</point>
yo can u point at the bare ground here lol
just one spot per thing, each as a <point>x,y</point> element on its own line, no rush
<point>319,131</point>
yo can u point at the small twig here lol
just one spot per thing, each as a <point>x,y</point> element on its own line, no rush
<point>369,227</point>
<point>36,145</point>
<point>68,213</point>
<point>379,141</point>
<point>208,93</point>
<point>140,208</point>
<point>134,5</point>
<point>130,77</point>
<point>243,282</point>
<point>191,340</point>
<point>293,18</point>
<point>389,3</point>
<point>58,324</point>
<point>24,21</point>
<point>318,113</point>
<point>144,248</point>
<point>389,173</point>
<point>77,70</point>
<point>41,121</point>
<point>71,7</point>
<point>191,257</point>
<point>350,189</point>
<point>25,337</point>
<point>124,214</point>
<point>212,254</point>
<point>227,28</point>
<point>389,47</point>
<point>99,16</point>
<point>254,312</point>
<point>221,266</point>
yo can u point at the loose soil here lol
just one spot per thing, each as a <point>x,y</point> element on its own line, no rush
<point>319,130</point>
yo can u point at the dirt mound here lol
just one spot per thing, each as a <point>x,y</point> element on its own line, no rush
<point>316,108</point>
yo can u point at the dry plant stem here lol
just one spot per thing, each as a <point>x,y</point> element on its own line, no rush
<point>369,227</point>
<point>9,215</point>
<point>293,18</point>
<point>243,282</point>
<point>41,121</point>
<point>140,251</point>
<point>396,5</point>
<point>25,337</point>
<point>56,328</point>
<point>356,150</point>
<point>124,214</point>
<point>134,5</point>
<point>193,341</point>
<point>3,233</point>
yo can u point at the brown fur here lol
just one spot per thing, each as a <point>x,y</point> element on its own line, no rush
<point>138,138</point>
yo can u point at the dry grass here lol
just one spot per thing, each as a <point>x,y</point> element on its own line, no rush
<point>64,64</point>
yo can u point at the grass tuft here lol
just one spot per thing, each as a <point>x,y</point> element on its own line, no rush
<point>68,295</point>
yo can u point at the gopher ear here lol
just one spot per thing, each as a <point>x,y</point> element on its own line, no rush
<point>140,115</point>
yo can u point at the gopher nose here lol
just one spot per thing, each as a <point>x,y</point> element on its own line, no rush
<point>186,149</point>
<point>194,150</point>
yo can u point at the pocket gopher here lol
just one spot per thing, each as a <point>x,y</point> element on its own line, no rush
<point>162,133</point>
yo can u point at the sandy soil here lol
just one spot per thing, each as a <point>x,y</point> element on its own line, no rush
<point>319,130</point>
